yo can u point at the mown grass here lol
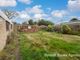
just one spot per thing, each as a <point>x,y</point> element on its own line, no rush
<point>33,46</point>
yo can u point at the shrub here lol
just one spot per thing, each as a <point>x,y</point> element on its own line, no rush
<point>66,29</point>
<point>50,28</point>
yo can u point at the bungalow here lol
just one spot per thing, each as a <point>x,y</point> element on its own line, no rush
<point>75,26</point>
<point>5,28</point>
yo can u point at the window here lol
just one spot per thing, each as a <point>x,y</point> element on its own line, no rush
<point>7,26</point>
<point>11,26</point>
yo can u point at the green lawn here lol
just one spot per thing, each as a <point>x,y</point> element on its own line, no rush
<point>34,46</point>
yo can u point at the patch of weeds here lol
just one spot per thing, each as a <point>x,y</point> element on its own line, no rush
<point>44,43</point>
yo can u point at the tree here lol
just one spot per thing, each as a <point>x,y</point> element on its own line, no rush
<point>24,23</point>
<point>44,22</point>
<point>74,20</point>
<point>10,14</point>
<point>35,22</point>
<point>31,22</point>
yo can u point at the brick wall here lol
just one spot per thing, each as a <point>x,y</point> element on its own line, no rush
<point>27,28</point>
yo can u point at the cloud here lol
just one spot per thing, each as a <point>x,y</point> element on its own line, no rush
<point>12,3</point>
<point>49,9</point>
<point>59,13</point>
<point>74,5</point>
<point>25,1</point>
<point>40,16</point>
<point>24,15</point>
<point>35,9</point>
<point>5,3</point>
<point>37,12</point>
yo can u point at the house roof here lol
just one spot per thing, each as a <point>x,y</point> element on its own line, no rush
<point>5,17</point>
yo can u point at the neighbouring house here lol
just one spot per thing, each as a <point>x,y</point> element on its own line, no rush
<point>6,26</point>
<point>75,26</point>
<point>28,28</point>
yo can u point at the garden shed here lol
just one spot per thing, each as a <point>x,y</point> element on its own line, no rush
<point>6,26</point>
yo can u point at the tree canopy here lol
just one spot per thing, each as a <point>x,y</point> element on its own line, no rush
<point>31,22</point>
<point>10,14</point>
<point>74,20</point>
<point>45,22</point>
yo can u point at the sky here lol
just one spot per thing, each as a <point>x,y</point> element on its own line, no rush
<point>56,11</point>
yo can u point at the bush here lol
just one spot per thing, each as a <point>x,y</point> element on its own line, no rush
<point>65,29</point>
<point>50,28</point>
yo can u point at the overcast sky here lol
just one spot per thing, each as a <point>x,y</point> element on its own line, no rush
<point>53,10</point>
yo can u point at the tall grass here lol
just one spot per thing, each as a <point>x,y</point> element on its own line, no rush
<point>42,43</point>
